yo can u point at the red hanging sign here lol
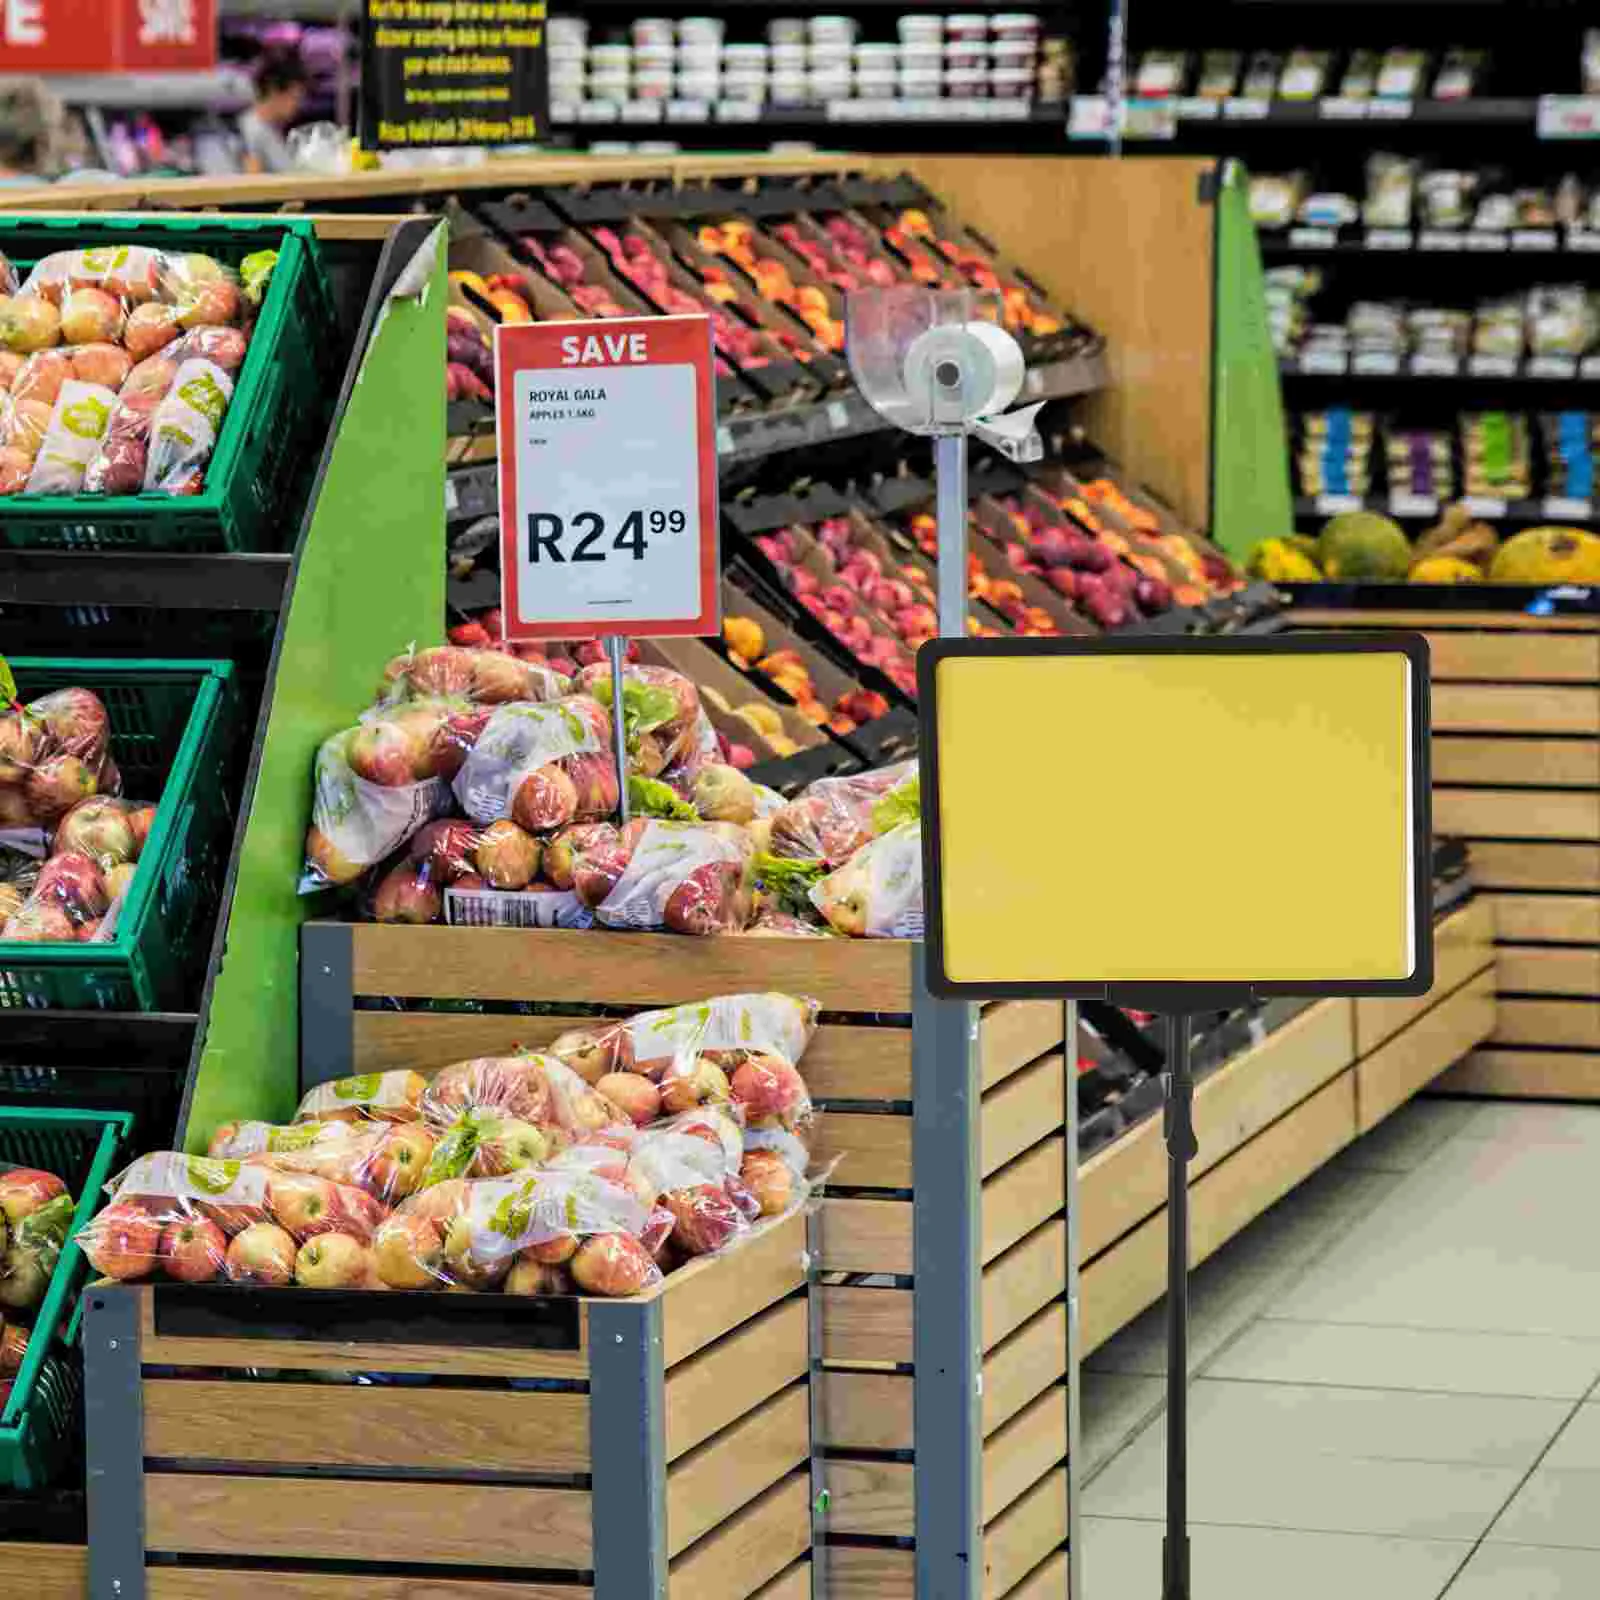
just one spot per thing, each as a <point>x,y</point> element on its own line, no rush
<point>43,36</point>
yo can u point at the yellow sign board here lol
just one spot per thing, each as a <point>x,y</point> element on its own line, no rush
<point>1149,814</point>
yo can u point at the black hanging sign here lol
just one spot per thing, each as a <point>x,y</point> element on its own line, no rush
<point>452,72</point>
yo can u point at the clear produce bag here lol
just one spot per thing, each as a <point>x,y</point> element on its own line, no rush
<point>394,1096</point>
<point>692,878</point>
<point>660,713</point>
<point>485,677</point>
<point>877,893</point>
<point>38,1214</point>
<point>387,1160</point>
<point>54,752</point>
<point>92,864</point>
<point>541,765</point>
<point>836,816</point>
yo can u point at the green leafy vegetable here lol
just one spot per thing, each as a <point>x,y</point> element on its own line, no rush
<point>649,797</point>
<point>789,882</point>
<point>903,803</point>
<point>255,272</point>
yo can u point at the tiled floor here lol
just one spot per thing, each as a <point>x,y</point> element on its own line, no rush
<point>1396,1380</point>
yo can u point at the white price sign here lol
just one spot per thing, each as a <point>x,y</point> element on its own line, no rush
<point>608,477</point>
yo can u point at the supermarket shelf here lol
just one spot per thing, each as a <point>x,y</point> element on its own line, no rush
<point>1568,599</point>
<point>1552,508</point>
<point>1194,122</point>
<point>1473,369</point>
<point>299,10</point>
<point>223,89</point>
<point>1292,244</point>
<point>118,578</point>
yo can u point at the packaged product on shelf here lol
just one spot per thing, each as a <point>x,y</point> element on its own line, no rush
<point>394,1096</point>
<point>1360,75</point>
<point>1219,74</point>
<point>1420,462</point>
<point>1458,74</point>
<point>1304,75</point>
<point>541,765</point>
<point>388,1160</point>
<point>660,713</point>
<point>1391,184</point>
<point>1497,329</point>
<point>1160,73</point>
<point>1562,320</point>
<point>54,752</point>
<point>1261,75</point>
<point>877,893</point>
<point>1495,455</point>
<point>836,816</point>
<point>485,677</point>
<point>77,893</point>
<point>1571,440</point>
<point>1402,74</point>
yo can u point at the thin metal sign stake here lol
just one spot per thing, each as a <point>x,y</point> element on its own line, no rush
<point>615,646</point>
<point>950,481</point>
<point>1182,1147</point>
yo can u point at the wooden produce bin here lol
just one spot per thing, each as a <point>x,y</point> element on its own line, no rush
<point>1267,1119</point>
<point>570,1447</point>
<point>1516,772</point>
<point>859,1069</point>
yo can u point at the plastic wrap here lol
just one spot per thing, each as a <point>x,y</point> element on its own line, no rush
<point>54,752</point>
<point>37,1212</point>
<point>538,1090</point>
<point>541,765</point>
<point>660,713</point>
<point>485,677</point>
<point>196,1219</point>
<point>387,1160</point>
<point>494,1232</point>
<point>394,1096</point>
<point>835,816</point>
<point>377,783</point>
<point>877,893</point>
<point>690,878</point>
<point>92,864</point>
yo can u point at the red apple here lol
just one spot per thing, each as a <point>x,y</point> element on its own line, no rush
<point>193,1251</point>
<point>303,1204</point>
<point>263,1253</point>
<point>123,1242</point>
<point>400,1160</point>
<point>25,1189</point>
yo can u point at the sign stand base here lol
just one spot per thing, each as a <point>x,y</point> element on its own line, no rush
<point>1177,1122</point>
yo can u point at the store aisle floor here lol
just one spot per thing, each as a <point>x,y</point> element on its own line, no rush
<point>1396,1380</point>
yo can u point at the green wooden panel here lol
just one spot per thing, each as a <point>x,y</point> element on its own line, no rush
<point>369,580</point>
<point>1250,497</point>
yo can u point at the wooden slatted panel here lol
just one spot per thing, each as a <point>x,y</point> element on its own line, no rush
<point>346,1519</point>
<point>795,1584</point>
<point>873,1410</point>
<point>1516,814</point>
<point>1514,708</point>
<point>752,1547</point>
<point>318,1424</point>
<point>1047,1581</point>
<point>1129,1277</point>
<point>1536,1074</point>
<point>640,969</point>
<point>870,1572</point>
<point>858,1063</point>
<point>865,1150</point>
<point>1536,866</point>
<point>715,1294</point>
<point>52,1571</point>
<point>1463,945</point>
<point>1021,1196</point>
<point>1127,1182</point>
<point>1507,657</point>
<point>1022,1110</point>
<point>1517,622</point>
<point>1411,1059</point>
<point>252,1583</point>
<point>705,1487</point>
<point>1538,969</point>
<point>1025,1535</point>
<point>1560,1022</point>
<point>1547,918</point>
<point>1013,1033</point>
<point>1561,763</point>
<point>876,1498</point>
<point>728,1378</point>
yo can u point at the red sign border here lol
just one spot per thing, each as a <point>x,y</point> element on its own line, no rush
<point>517,347</point>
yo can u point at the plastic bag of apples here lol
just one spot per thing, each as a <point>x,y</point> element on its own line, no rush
<point>119,363</point>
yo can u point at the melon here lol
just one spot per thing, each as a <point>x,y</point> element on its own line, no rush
<point>1363,544</point>
<point>1546,556</point>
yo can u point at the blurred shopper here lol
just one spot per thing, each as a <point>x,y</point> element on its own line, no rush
<point>280,93</point>
<point>31,123</point>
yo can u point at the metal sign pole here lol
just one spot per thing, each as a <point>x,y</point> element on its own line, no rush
<point>614,653</point>
<point>950,477</point>
<point>1178,1127</point>
<point>1075,1580</point>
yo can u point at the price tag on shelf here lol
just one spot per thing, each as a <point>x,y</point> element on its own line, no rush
<point>1339,109</point>
<point>1384,109</point>
<point>1484,241</point>
<point>1589,367</point>
<point>564,110</point>
<point>1314,238</point>
<point>1324,363</point>
<point>1150,119</point>
<point>1440,239</point>
<point>738,111</point>
<point>1330,505</point>
<point>1533,238</point>
<point>1492,366</point>
<point>1389,239</point>
<point>1376,363</point>
<point>607,451</point>
<point>1568,116</point>
<point>599,111</point>
<point>1431,366</point>
<point>1198,108</point>
<point>643,110</point>
<point>1240,109</point>
<point>1552,366</point>
<point>1021,110</point>
<point>688,111</point>
<point>1412,505</point>
<point>1488,506</point>
<point>1566,509</point>
<point>1584,240</point>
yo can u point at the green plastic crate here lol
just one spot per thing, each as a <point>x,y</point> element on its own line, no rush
<point>272,434</point>
<point>40,1421</point>
<point>173,725</point>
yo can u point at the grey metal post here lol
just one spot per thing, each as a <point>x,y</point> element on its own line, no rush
<point>1075,1582</point>
<point>627,1450</point>
<point>327,982</point>
<point>947,1339</point>
<point>950,475</point>
<point>113,1406</point>
<point>821,1498</point>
